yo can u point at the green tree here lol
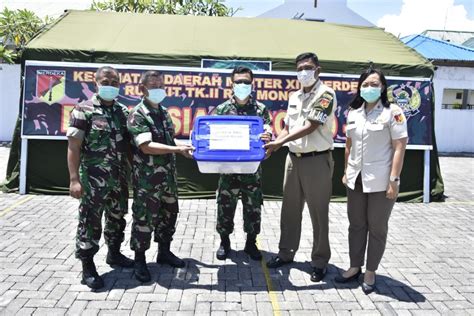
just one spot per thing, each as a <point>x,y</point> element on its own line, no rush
<point>180,7</point>
<point>17,27</point>
<point>6,55</point>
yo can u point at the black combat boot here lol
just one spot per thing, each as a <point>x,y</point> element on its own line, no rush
<point>166,256</point>
<point>224,248</point>
<point>114,257</point>
<point>141,270</point>
<point>251,247</point>
<point>90,277</point>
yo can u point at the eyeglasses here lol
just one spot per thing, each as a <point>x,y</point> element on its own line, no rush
<point>242,81</point>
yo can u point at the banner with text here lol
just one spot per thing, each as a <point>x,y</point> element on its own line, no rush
<point>52,89</point>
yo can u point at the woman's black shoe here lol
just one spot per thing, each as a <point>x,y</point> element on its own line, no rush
<point>368,288</point>
<point>342,279</point>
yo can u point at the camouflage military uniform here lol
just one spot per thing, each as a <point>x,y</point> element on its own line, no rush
<point>155,202</point>
<point>103,173</point>
<point>246,186</point>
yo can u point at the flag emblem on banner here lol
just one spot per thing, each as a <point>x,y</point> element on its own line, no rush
<point>50,85</point>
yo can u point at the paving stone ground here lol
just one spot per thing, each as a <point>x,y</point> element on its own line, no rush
<point>427,268</point>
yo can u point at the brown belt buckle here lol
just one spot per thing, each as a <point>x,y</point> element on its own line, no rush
<point>298,155</point>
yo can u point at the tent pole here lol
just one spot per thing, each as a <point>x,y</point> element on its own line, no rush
<point>23,164</point>
<point>426,178</point>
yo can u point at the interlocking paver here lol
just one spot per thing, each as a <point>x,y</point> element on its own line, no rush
<point>34,302</point>
<point>114,312</point>
<point>26,311</point>
<point>164,306</point>
<point>426,270</point>
<point>15,305</point>
<point>50,311</point>
<point>188,303</point>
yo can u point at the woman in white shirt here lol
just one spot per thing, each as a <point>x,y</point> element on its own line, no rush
<point>376,140</point>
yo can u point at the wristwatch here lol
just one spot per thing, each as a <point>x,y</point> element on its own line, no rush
<point>395,179</point>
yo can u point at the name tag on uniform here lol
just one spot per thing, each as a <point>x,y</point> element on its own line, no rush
<point>375,127</point>
<point>293,106</point>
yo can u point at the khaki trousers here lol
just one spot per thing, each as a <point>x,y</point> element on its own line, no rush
<point>307,179</point>
<point>368,214</point>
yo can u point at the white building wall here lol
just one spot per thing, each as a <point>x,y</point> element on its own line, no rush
<point>9,99</point>
<point>454,129</point>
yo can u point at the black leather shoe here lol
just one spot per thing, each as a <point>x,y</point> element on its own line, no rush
<point>318,274</point>
<point>165,256</point>
<point>342,279</point>
<point>251,248</point>
<point>140,268</point>
<point>90,277</point>
<point>277,262</point>
<point>224,248</point>
<point>368,288</point>
<point>115,258</point>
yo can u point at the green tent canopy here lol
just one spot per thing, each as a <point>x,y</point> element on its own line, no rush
<point>171,40</point>
<point>132,38</point>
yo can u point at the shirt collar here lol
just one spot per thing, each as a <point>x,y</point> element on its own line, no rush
<point>251,101</point>
<point>313,90</point>
<point>97,102</point>
<point>377,108</point>
<point>147,109</point>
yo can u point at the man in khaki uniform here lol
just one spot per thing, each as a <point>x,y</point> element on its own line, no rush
<point>309,166</point>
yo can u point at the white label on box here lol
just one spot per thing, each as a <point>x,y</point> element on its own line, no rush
<point>229,137</point>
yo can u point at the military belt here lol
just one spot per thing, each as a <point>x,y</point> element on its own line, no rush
<point>310,154</point>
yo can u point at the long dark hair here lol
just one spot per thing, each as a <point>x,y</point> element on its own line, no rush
<point>357,101</point>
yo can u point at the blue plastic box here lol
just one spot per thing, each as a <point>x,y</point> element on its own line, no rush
<point>228,144</point>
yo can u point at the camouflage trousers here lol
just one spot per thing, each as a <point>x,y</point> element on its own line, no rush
<point>155,210</point>
<point>249,189</point>
<point>103,194</point>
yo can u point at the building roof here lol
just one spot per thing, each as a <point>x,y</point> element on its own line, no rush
<point>456,37</point>
<point>332,11</point>
<point>434,49</point>
<point>469,43</point>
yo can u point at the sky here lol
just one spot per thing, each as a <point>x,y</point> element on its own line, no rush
<point>400,17</point>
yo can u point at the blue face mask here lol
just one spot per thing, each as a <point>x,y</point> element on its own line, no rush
<point>242,90</point>
<point>108,93</point>
<point>370,94</point>
<point>156,95</point>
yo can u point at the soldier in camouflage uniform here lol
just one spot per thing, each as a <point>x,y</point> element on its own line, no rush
<point>246,186</point>
<point>155,202</point>
<point>98,148</point>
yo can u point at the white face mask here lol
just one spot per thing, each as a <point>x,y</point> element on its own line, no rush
<point>242,90</point>
<point>156,95</point>
<point>306,77</point>
<point>108,93</point>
